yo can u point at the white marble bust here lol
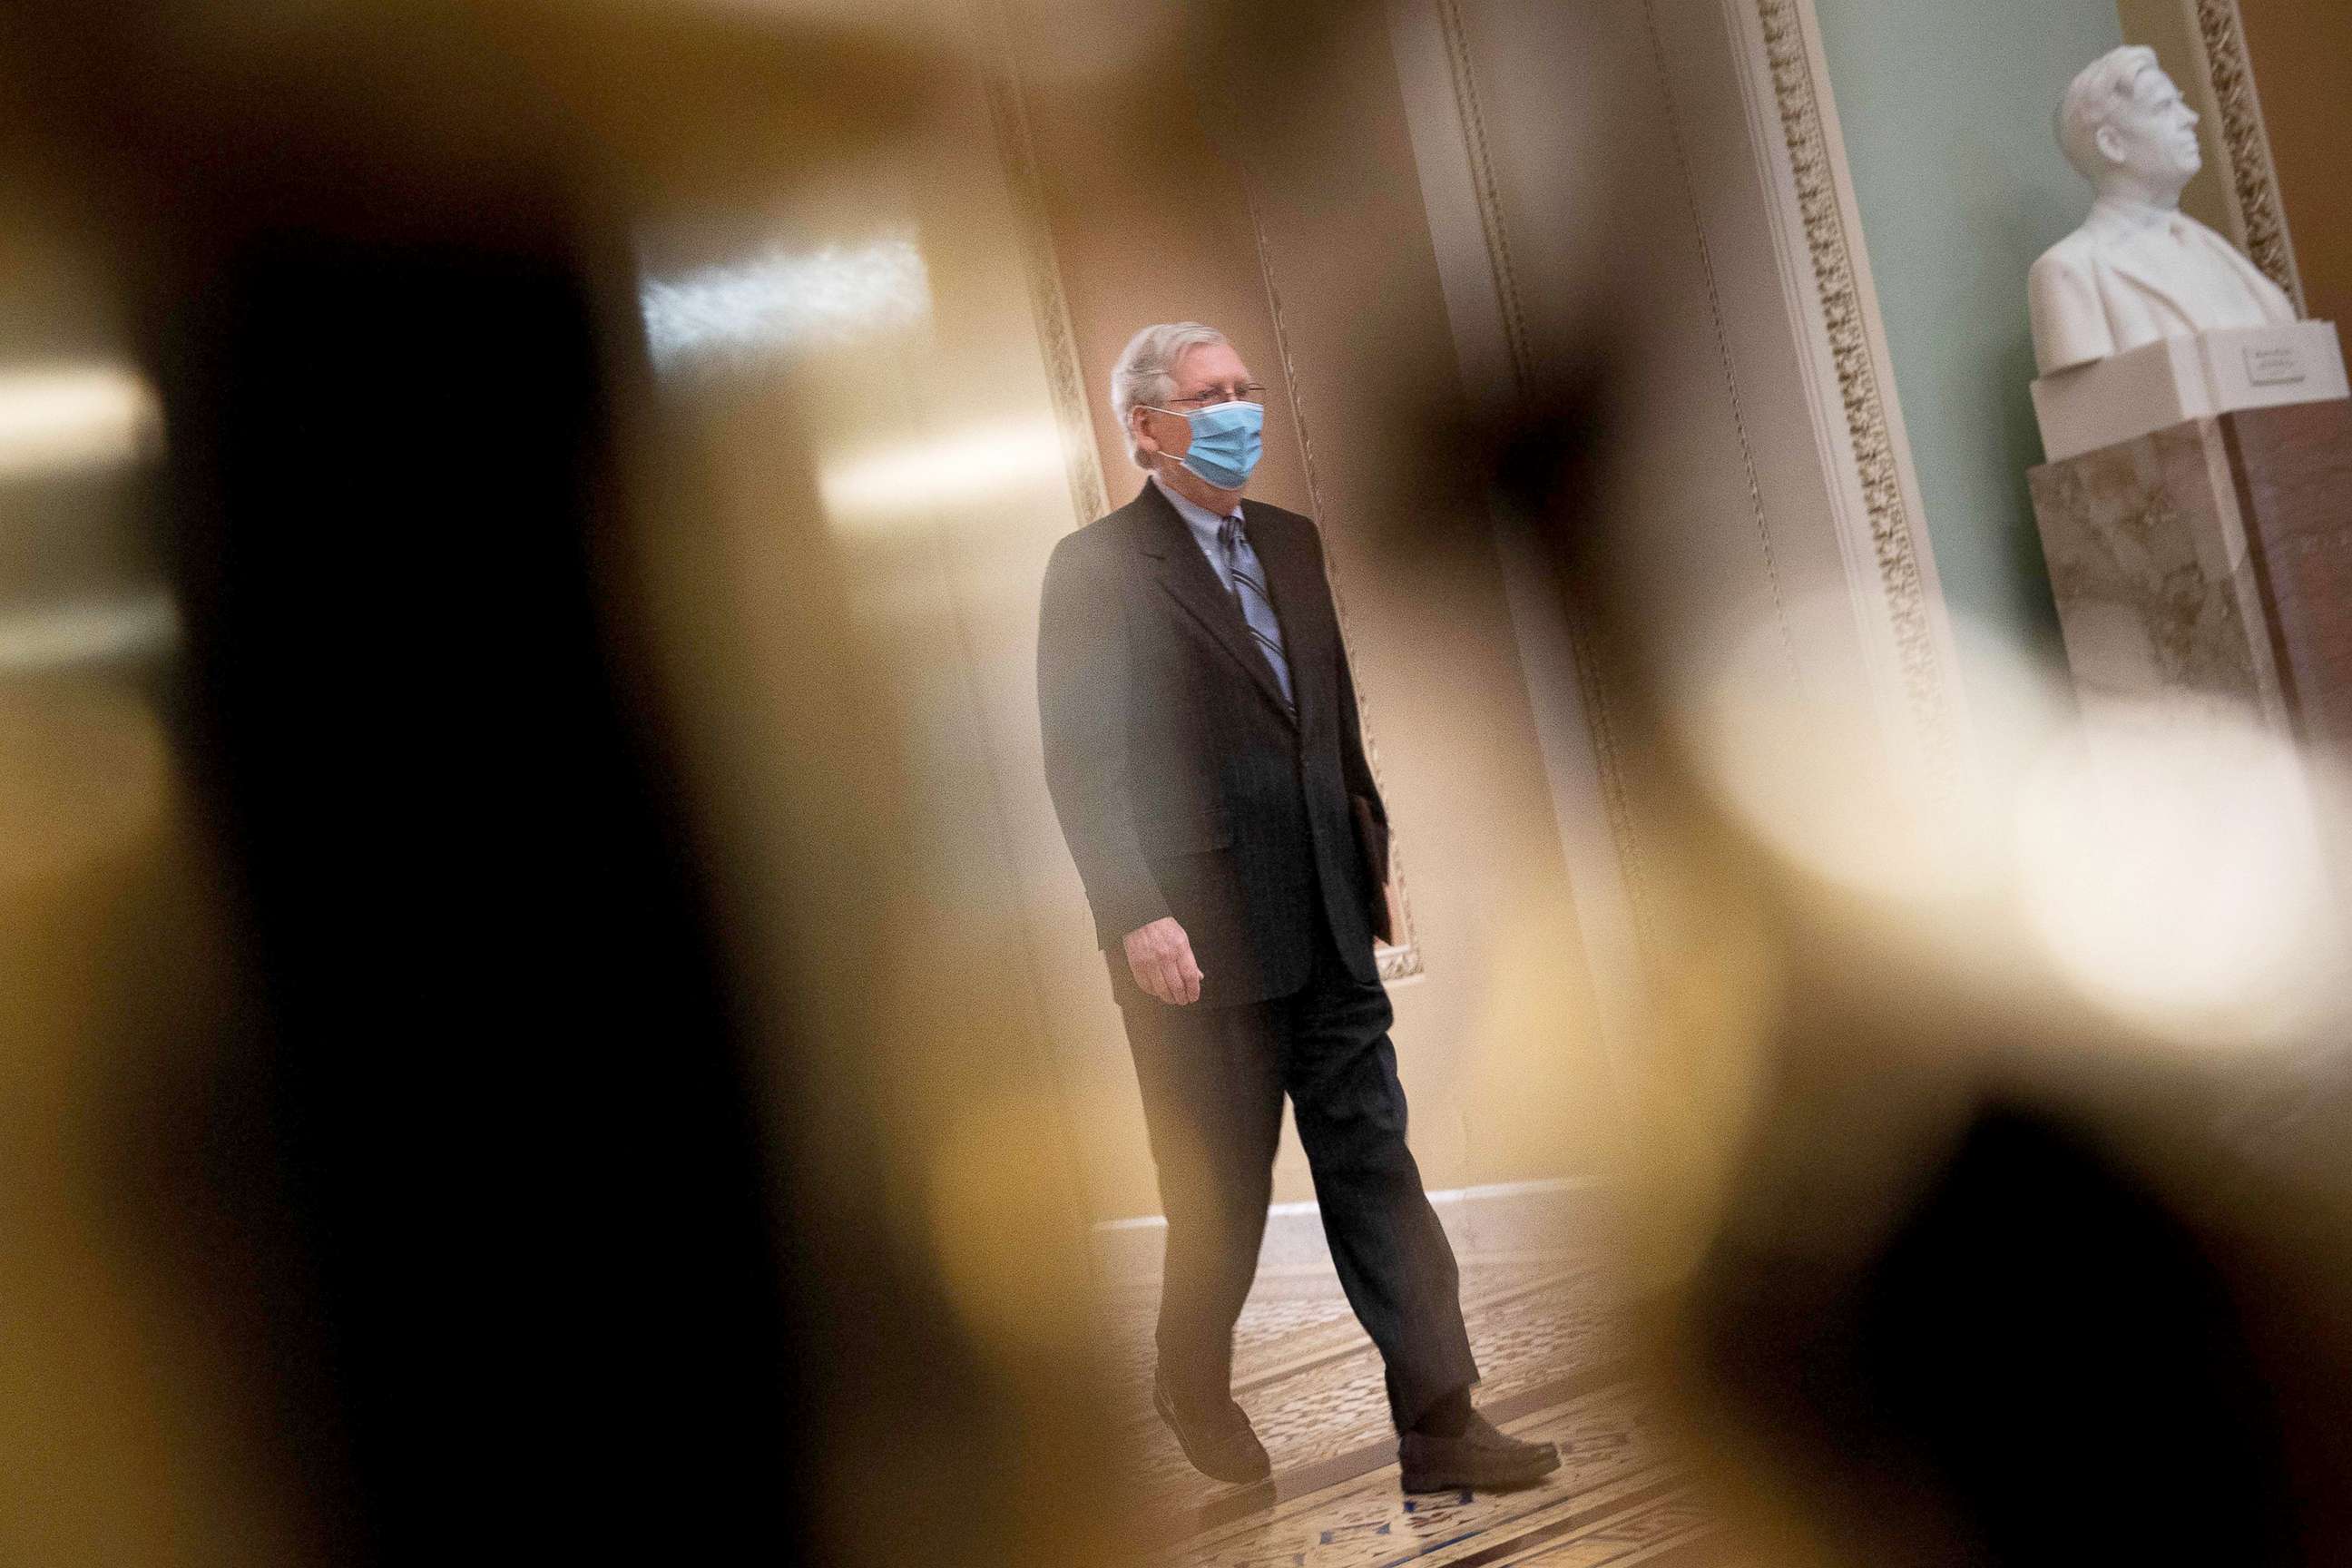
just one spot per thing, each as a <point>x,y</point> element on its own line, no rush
<point>2139,269</point>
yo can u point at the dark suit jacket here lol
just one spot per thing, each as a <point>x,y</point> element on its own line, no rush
<point>1183,786</point>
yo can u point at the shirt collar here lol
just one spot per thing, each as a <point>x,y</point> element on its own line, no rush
<point>1206,525</point>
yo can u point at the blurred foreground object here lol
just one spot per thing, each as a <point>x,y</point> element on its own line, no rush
<point>470,1096</point>
<point>1999,1179</point>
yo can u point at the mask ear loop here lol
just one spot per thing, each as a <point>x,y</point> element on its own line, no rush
<point>1172,414</point>
<point>1190,423</point>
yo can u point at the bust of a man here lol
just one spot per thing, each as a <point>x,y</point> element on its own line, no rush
<point>2139,269</point>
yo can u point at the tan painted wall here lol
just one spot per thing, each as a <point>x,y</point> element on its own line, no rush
<point>1180,185</point>
<point>1179,172</point>
<point>2302,54</point>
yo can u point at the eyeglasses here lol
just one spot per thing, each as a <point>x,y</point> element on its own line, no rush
<point>1253,393</point>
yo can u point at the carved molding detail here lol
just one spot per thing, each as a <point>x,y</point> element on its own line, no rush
<point>1893,539</point>
<point>1584,641</point>
<point>1008,108</point>
<point>1402,960</point>
<point>1722,337</point>
<point>1482,178</point>
<point>2253,180</point>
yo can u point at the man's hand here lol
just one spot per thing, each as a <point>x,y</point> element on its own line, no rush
<point>1159,955</point>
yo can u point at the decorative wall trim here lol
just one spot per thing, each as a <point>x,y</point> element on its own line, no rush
<point>2253,179</point>
<point>1008,108</point>
<point>1584,641</point>
<point>1847,316</point>
<point>1865,462</point>
<point>1402,960</point>
<point>1490,200</point>
<point>1722,336</point>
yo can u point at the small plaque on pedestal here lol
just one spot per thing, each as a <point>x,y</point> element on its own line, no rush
<point>2176,380</point>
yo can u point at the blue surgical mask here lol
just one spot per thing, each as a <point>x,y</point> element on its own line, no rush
<point>1226,442</point>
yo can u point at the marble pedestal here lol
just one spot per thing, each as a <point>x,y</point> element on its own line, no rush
<point>2173,380</point>
<point>2212,557</point>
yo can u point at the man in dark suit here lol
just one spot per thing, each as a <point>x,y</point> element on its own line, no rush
<point>1206,760</point>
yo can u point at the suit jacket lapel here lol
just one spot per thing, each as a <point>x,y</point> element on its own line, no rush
<point>1189,579</point>
<point>1296,580</point>
<point>2266,293</point>
<point>2127,263</point>
<point>2120,260</point>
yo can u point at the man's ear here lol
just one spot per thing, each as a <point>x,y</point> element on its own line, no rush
<point>2111,144</point>
<point>1150,443</point>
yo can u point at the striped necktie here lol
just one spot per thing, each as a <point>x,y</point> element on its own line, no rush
<point>1248,578</point>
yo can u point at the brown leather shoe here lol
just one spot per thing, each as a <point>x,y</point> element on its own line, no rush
<point>1483,1459</point>
<point>1223,1447</point>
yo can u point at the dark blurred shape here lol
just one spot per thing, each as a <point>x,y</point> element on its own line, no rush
<point>527,1170</point>
<point>469,1151</point>
<point>1996,1280</point>
<point>516,1243</point>
<point>2043,1363</point>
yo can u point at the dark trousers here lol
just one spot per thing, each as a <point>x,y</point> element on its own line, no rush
<point>1212,1081</point>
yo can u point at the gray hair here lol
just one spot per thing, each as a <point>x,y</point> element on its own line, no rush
<point>1146,372</point>
<point>2106,85</point>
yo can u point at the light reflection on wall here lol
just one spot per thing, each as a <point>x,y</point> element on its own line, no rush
<point>909,480</point>
<point>81,420</point>
<point>2170,860</point>
<point>2164,858</point>
<point>56,419</point>
<point>784,303</point>
<point>63,637</point>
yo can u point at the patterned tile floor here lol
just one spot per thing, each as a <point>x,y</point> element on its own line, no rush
<point>1545,1331</point>
<point>1615,1500</point>
<point>1311,1380</point>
